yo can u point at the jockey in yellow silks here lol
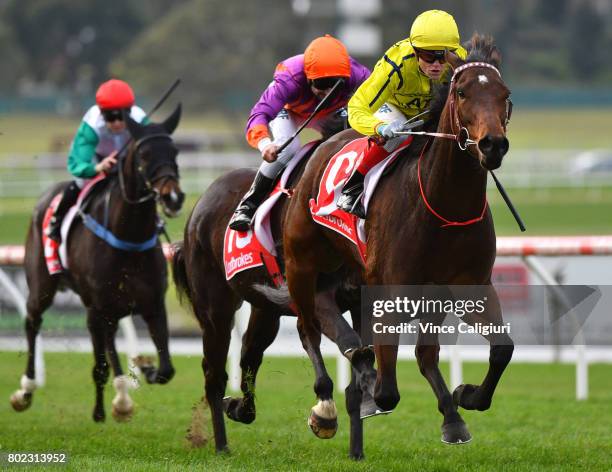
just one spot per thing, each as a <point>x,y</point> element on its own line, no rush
<point>400,87</point>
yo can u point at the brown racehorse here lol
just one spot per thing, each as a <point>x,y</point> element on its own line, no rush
<point>112,283</point>
<point>407,244</point>
<point>199,273</point>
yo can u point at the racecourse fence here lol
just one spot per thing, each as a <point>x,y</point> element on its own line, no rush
<point>29,176</point>
<point>521,261</point>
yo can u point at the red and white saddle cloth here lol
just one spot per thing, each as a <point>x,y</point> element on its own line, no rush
<point>256,248</point>
<point>340,167</point>
<point>56,255</point>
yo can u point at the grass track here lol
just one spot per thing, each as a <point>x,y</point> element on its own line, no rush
<point>534,424</point>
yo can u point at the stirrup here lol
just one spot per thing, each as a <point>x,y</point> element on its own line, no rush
<point>241,220</point>
<point>54,231</point>
<point>352,204</point>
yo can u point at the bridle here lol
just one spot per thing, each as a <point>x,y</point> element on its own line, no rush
<point>146,176</point>
<point>462,136</point>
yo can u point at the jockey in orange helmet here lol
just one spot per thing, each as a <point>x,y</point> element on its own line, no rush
<point>100,136</point>
<point>399,88</point>
<point>299,84</point>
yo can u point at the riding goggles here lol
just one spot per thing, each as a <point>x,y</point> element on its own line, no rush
<point>430,56</point>
<point>325,83</point>
<point>112,115</point>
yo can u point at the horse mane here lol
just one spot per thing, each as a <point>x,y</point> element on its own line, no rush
<point>480,48</point>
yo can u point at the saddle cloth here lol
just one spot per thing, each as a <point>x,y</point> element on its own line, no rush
<point>255,247</point>
<point>56,255</point>
<point>324,209</point>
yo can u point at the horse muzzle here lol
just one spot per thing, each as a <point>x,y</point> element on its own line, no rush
<point>493,150</point>
<point>172,202</point>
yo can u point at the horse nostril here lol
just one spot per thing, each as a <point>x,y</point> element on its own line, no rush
<point>504,146</point>
<point>485,144</point>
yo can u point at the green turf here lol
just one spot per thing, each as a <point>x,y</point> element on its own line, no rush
<point>534,423</point>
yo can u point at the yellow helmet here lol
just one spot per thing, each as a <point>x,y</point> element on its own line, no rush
<point>434,29</point>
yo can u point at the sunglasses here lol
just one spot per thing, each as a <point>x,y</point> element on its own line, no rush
<point>431,56</point>
<point>325,83</point>
<point>112,115</point>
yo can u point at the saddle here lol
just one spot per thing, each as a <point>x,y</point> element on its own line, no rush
<point>56,254</point>
<point>256,247</point>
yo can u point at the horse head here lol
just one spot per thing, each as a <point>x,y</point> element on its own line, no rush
<point>478,103</point>
<point>153,156</point>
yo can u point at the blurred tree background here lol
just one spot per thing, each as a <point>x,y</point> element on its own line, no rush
<point>226,50</point>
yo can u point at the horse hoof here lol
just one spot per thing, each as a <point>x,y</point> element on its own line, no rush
<point>99,416</point>
<point>224,450</point>
<point>455,433</point>
<point>21,401</point>
<point>357,456</point>
<point>463,396</point>
<point>369,408</point>
<point>122,415</point>
<point>236,410</point>
<point>323,428</point>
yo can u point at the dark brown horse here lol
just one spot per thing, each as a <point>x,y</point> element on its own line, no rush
<point>112,283</point>
<point>407,244</point>
<point>199,272</point>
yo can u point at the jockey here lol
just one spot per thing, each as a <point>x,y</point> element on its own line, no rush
<point>100,136</point>
<point>399,88</point>
<point>299,84</point>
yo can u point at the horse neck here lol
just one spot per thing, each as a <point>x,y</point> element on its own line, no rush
<point>453,182</point>
<point>133,222</point>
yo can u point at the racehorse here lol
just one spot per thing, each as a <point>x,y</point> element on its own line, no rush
<point>112,283</point>
<point>427,223</point>
<point>198,270</point>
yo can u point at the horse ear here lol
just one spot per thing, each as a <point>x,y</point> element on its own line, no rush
<point>454,60</point>
<point>136,129</point>
<point>171,123</point>
<point>495,57</point>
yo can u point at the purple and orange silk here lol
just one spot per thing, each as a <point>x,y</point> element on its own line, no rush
<point>290,89</point>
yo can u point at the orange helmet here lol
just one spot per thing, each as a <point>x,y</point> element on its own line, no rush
<point>326,57</point>
<point>114,94</point>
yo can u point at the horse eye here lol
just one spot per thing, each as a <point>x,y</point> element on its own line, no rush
<point>460,93</point>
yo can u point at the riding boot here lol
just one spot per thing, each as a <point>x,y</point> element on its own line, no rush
<point>69,198</point>
<point>350,200</point>
<point>243,216</point>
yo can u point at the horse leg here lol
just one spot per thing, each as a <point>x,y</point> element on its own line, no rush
<point>123,406</point>
<point>454,429</point>
<point>363,374</point>
<point>479,397</point>
<point>42,288</point>
<point>97,324</point>
<point>323,419</point>
<point>157,322</point>
<point>261,332</point>
<point>217,327</point>
<point>386,394</point>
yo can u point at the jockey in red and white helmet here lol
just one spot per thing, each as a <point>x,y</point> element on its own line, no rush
<point>100,136</point>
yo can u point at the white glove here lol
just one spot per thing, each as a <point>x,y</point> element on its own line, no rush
<point>389,130</point>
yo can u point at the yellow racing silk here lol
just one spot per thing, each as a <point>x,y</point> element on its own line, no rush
<point>396,80</point>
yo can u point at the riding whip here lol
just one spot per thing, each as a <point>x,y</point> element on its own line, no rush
<point>312,115</point>
<point>159,103</point>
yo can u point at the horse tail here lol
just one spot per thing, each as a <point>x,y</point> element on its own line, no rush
<point>179,272</point>
<point>279,296</point>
